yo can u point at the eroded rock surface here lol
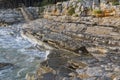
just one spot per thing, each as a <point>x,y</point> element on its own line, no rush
<point>78,51</point>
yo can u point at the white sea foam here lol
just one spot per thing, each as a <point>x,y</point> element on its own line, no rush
<point>13,49</point>
<point>20,72</point>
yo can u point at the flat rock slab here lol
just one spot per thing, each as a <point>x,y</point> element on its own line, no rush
<point>98,30</point>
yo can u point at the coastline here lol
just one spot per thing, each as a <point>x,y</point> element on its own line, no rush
<point>88,49</point>
<point>78,47</point>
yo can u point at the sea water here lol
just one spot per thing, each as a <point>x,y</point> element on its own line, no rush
<point>19,52</point>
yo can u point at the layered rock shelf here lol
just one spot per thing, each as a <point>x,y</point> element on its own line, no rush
<point>78,51</point>
<point>78,44</point>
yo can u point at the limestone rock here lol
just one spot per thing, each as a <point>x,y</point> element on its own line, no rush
<point>78,50</point>
<point>95,71</point>
<point>9,16</point>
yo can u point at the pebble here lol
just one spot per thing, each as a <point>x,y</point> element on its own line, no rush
<point>95,71</point>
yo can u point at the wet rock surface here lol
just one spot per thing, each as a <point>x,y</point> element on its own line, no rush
<point>78,51</point>
<point>5,66</point>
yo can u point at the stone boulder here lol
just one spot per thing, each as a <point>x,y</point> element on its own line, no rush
<point>10,16</point>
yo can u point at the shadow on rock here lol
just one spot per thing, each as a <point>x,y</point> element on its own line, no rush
<point>5,66</point>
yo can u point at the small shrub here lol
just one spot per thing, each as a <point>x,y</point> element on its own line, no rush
<point>76,15</point>
<point>71,11</point>
<point>115,3</point>
<point>79,0</point>
<point>97,11</point>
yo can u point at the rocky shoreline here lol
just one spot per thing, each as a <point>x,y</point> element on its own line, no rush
<point>80,48</point>
<point>77,51</point>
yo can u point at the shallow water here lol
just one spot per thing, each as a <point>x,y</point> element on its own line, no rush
<point>18,51</point>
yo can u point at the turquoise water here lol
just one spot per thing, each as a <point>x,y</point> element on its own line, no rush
<point>18,51</point>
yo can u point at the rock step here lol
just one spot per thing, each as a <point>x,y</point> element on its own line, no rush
<point>81,37</point>
<point>58,36</point>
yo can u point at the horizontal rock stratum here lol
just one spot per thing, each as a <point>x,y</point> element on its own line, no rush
<point>78,50</point>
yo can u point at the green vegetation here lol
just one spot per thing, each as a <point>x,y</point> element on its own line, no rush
<point>79,0</point>
<point>17,3</point>
<point>76,15</point>
<point>115,3</point>
<point>71,11</point>
<point>97,11</point>
<point>47,2</point>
